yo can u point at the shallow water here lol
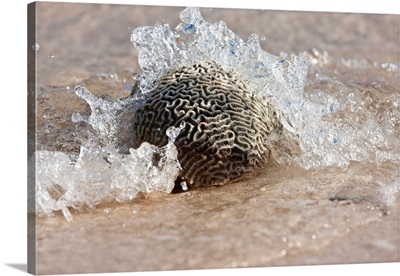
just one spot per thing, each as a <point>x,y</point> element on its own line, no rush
<point>285,215</point>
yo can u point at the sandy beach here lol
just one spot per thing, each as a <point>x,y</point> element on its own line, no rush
<point>276,219</point>
<point>281,216</point>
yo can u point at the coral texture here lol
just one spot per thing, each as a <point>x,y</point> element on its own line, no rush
<point>227,126</point>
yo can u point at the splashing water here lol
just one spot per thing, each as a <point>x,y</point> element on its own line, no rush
<point>324,140</point>
<point>101,173</point>
<point>332,127</point>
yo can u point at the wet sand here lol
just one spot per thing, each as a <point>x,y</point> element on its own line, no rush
<point>283,216</point>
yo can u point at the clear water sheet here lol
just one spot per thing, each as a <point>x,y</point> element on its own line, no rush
<point>101,173</point>
<point>331,126</point>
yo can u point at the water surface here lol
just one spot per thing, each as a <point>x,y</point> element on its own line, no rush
<point>287,214</point>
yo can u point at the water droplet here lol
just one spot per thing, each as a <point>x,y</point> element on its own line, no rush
<point>283,252</point>
<point>284,239</point>
<point>51,56</point>
<point>184,185</point>
<point>263,38</point>
<point>315,51</point>
<point>314,237</point>
<point>35,47</point>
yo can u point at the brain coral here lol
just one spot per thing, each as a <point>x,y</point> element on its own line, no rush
<point>227,126</point>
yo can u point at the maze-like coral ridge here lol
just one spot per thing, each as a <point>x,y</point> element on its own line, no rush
<point>227,126</point>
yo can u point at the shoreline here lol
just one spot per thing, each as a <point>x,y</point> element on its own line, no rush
<point>262,222</point>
